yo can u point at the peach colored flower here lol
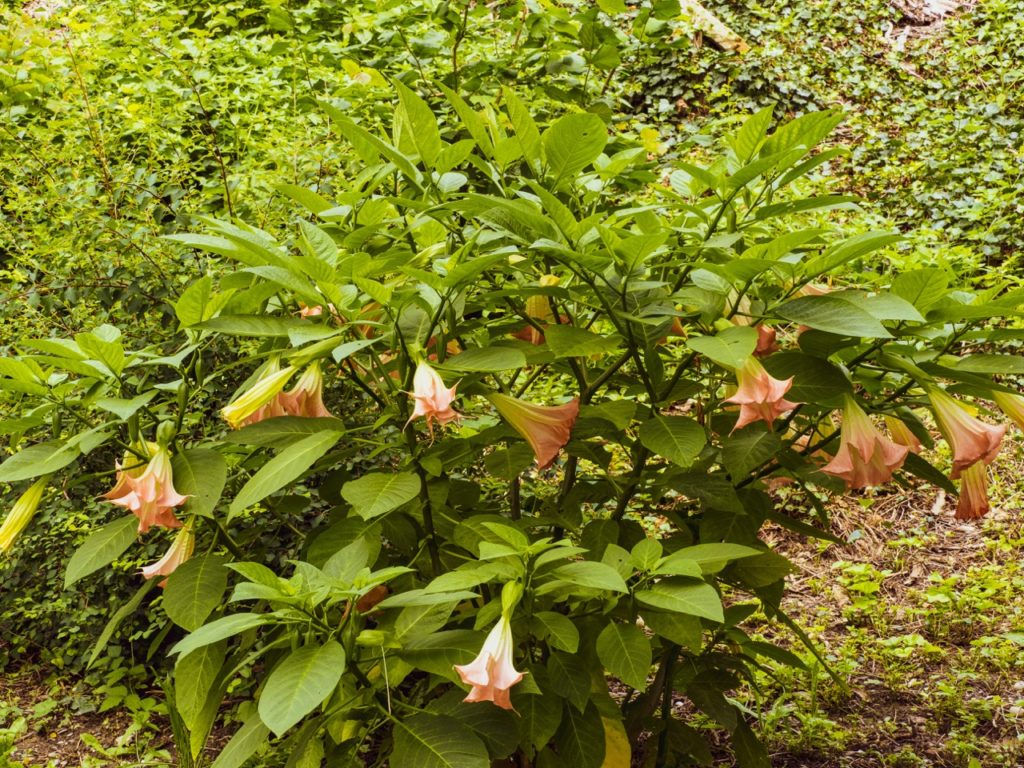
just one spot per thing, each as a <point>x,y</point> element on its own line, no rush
<point>767,341</point>
<point>307,311</point>
<point>547,428</point>
<point>971,439</point>
<point>433,398</point>
<point>1011,405</point>
<point>973,501</point>
<point>865,457</point>
<point>759,396</point>
<point>492,673</point>
<point>902,435</point>
<point>261,400</point>
<point>180,550</point>
<point>538,309</point>
<point>150,495</point>
<point>306,397</point>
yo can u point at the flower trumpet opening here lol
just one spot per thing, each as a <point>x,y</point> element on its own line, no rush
<point>306,397</point>
<point>151,496</point>
<point>865,457</point>
<point>433,399</point>
<point>21,513</point>
<point>759,396</point>
<point>250,403</point>
<point>970,439</point>
<point>547,428</point>
<point>181,549</point>
<point>492,673</point>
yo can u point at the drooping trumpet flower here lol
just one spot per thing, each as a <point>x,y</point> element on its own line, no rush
<point>433,398</point>
<point>759,396</point>
<point>970,439</point>
<point>901,434</point>
<point>767,341</point>
<point>149,493</point>
<point>261,400</point>
<point>492,673</point>
<point>181,549</point>
<point>21,513</point>
<point>538,309</point>
<point>1011,405</point>
<point>973,501</point>
<point>306,397</point>
<point>865,457</point>
<point>547,428</point>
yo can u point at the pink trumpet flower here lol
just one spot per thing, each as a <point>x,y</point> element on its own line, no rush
<point>150,495</point>
<point>971,439</point>
<point>865,457</point>
<point>180,550</point>
<point>767,341</point>
<point>759,396</point>
<point>433,398</point>
<point>973,501</point>
<point>1012,406</point>
<point>492,673</point>
<point>262,400</point>
<point>306,397</point>
<point>547,428</point>
<point>901,434</point>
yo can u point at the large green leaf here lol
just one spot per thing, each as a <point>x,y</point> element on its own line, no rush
<point>300,683</point>
<point>379,493</point>
<point>222,628</point>
<point>748,449</point>
<point>694,598</point>
<point>243,745</point>
<point>572,143</point>
<point>284,468</point>
<point>569,341</point>
<point>194,677</point>
<point>36,460</point>
<point>282,431</point>
<point>195,589</point>
<point>120,615</point>
<point>677,438</point>
<point>625,651</point>
<point>729,348</point>
<point>487,359</point>
<point>436,741</point>
<point>101,548</point>
<point>580,738</point>
<point>591,575</point>
<point>200,474</point>
<point>833,314</point>
<point>422,124</point>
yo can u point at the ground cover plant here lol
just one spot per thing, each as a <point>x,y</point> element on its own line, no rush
<point>477,452</point>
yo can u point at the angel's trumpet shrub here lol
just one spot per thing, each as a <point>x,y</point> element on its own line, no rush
<point>150,495</point>
<point>260,401</point>
<point>1012,406</point>
<point>306,397</point>
<point>973,501</point>
<point>433,398</point>
<point>492,673</point>
<point>759,396</point>
<point>547,428</point>
<point>970,439</point>
<point>181,549</point>
<point>21,513</point>
<point>901,434</point>
<point>865,457</point>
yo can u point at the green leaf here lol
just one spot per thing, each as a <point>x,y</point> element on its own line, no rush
<point>572,143</point>
<point>571,678</point>
<point>848,250</point>
<point>194,677</point>
<point>436,741</point>
<point>283,430</point>
<point>747,450</point>
<point>814,380</point>
<point>569,341</point>
<point>243,745</point>
<point>921,287</point>
<point>694,598</point>
<point>559,631</point>
<point>101,548</point>
<point>254,325</point>
<point>991,363</point>
<point>378,493</point>
<point>539,716</point>
<point>123,408</point>
<point>38,459</point>
<point>625,652</point>
<point>711,557</point>
<point>487,359</point>
<point>833,314</point>
<point>591,575</point>
<point>300,683</point>
<point>422,124</point>
<point>580,738</point>
<point>222,628</point>
<point>122,613</point>
<point>526,129</point>
<point>729,348</point>
<point>283,469</point>
<point>762,570</point>
<point>194,589</point>
<point>200,474</point>
<point>678,438</point>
